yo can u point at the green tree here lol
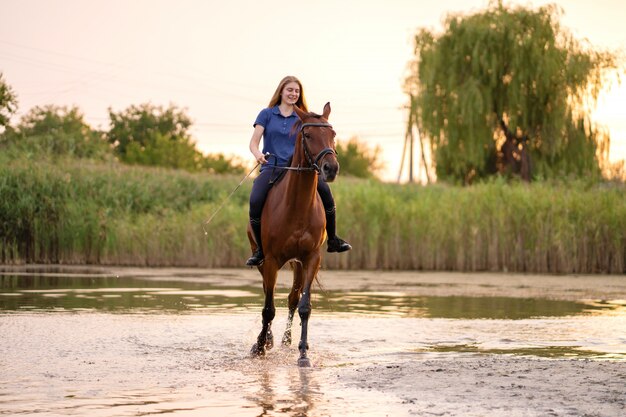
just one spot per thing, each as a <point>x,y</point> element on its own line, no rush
<point>8,103</point>
<point>357,159</point>
<point>57,131</point>
<point>141,126</point>
<point>157,136</point>
<point>506,89</point>
<point>161,150</point>
<point>221,164</point>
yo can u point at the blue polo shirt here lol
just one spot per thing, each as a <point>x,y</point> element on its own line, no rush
<point>278,138</point>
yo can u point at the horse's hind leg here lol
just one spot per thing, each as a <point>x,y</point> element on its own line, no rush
<point>265,340</point>
<point>294,297</point>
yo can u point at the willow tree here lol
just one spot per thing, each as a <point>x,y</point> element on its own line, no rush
<point>507,89</point>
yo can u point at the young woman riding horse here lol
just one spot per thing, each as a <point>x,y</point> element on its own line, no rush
<point>275,125</point>
<point>295,216</point>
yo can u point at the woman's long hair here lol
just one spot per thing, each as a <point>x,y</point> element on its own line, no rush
<point>276,99</point>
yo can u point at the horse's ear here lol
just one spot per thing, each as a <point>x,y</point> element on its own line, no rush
<point>326,110</point>
<point>301,114</point>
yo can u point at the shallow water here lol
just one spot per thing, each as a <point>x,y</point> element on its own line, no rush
<point>93,343</point>
<point>181,295</point>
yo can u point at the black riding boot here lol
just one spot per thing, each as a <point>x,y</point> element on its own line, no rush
<point>257,257</point>
<point>335,243</point>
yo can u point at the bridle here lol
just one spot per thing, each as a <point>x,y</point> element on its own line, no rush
<point>314,165</point>
<point>314,162</point>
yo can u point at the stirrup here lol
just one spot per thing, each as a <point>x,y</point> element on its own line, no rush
<point>337,244</point>
<point>256,259</point>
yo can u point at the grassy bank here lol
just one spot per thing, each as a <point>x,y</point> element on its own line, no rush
<point>79,212</point>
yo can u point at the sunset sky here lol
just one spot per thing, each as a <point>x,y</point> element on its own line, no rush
<point>221,61</point>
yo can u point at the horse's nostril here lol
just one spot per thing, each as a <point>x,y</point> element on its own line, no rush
<point>329,170</point>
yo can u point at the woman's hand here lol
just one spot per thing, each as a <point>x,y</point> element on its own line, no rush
<point>260,158</point>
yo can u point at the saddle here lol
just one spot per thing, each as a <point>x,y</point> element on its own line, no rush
<point>278,174</point>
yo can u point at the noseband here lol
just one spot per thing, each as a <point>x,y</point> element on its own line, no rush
<point>314,162</point>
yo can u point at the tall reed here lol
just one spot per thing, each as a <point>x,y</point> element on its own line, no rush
<point>107,213</point>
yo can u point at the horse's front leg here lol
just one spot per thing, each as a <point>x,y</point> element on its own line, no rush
<point>265,340</point>
<point>294,297</point>
<point>304,306</point>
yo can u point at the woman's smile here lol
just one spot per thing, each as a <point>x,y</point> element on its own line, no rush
<point>291,93</point>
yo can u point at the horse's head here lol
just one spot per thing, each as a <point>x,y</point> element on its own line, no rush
<point>318,142</point>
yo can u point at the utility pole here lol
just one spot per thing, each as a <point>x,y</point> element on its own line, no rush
<point>411,154</point>
<point>409,139</point>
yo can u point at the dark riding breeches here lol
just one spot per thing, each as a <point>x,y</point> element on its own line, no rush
<point>261,187</point>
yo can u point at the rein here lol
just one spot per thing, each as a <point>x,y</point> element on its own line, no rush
<point>313,162</point>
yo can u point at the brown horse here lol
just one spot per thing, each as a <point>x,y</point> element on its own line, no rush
<point>294,227</point>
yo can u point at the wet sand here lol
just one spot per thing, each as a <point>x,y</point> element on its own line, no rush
<point>497,385</point>
<point>101,364</point>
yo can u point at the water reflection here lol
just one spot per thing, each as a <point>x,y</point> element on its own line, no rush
<point>299,399</point>
<point>59,292</point>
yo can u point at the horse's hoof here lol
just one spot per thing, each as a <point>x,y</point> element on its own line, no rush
<point>270,343</point>
<point>256,351</point>
<point>286,340</point>
<point>304,363</point>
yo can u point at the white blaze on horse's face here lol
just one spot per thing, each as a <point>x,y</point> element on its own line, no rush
<point>290,93</point>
